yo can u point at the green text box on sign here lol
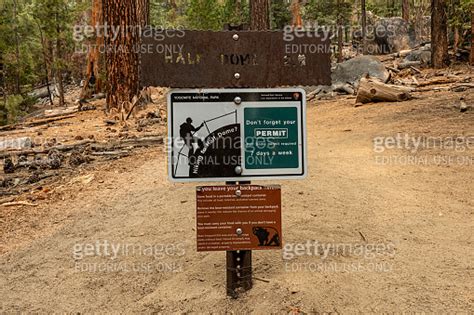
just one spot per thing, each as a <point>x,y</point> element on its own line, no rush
<point>271,135</point>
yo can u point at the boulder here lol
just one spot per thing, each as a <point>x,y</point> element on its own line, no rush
<point>353,70</point>
<point>392,35</point>
<point>423,56</point>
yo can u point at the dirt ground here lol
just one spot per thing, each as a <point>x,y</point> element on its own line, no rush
<point>415,205</point>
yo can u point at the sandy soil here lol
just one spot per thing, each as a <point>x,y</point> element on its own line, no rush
<point>418,213</point>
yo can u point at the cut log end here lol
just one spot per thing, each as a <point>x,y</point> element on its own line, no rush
<point>371,90</point>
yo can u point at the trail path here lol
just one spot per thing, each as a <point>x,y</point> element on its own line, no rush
<point>424,212</point>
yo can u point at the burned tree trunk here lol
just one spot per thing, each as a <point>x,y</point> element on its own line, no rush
<point>259,15</point>
<point>406,10</point>
<point>93,82</point>
<point>122,60</point>
<point>439,34</point>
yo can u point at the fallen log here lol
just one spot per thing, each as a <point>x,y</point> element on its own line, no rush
<point>34,123</point>
<point>62,148</point>
<point>408,64</point>
<point>440,81</point>
<point>110,153</point>
<point>462,87</point>
<point>371,90</point>
<point>18,203</point>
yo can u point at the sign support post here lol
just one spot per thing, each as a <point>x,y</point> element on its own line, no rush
<point>238,266</point>
<point>239,271</point>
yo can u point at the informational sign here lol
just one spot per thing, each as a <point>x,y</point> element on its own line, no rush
<point>237,134</point>
<point>238,217</point>
<point>257,59</point>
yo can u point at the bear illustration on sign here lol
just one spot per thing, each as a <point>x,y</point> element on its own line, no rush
<point>267,236</point>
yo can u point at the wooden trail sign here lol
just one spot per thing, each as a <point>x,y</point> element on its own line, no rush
<point>256,59</point>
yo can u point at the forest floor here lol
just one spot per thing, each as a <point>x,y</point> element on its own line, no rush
<point>410,210</point>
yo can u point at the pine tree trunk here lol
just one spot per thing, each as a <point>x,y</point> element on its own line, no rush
<point>439,34</point>
<point>44,50</point>
<point>93,59</point>
<point>122,58</point>
<point>259,15</point>
<point>456,9</point>
<point>17,49</point>
<point>406,10</point>
<point>143,11</point>
<point>340,29</point>
<point>472,36</point>
<point>364,26</point>
<point>59,72</point>
<point>296,12</point>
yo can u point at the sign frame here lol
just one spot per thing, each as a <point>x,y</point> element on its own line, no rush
<point>266,175</point>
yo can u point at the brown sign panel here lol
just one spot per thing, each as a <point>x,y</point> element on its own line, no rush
<point>238,217</point>
<point>257,59</point>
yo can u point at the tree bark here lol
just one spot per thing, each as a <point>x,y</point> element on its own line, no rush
<point>439,34</point>
<point>364,26</point>
<point>17,49</point>
<point>59,71</point>
<point>122,60</point>
<point>340,28</point>
<point>259,15</point>
<point>296,12</point>
<point>472,36</point>
<point>93,58</point>
<point>46,63</point>
<point>143,12</point>
<point>406,10</point>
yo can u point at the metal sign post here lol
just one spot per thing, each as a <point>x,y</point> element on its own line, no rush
<point>238,267</point>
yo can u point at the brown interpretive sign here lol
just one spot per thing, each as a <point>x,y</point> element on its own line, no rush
<point>238,217</point>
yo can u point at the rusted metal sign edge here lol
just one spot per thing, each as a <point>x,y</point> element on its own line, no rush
<point>258,59</point>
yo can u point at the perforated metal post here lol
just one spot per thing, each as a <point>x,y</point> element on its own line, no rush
<point>239,272</point>
<point>238,266</point>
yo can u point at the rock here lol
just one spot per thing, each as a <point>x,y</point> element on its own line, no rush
<point>463,107</point>
<point>392,34</point>
<point>353,70</point>
<point>389,35</point>
<point>423,56</point>
<point>16,144</point>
